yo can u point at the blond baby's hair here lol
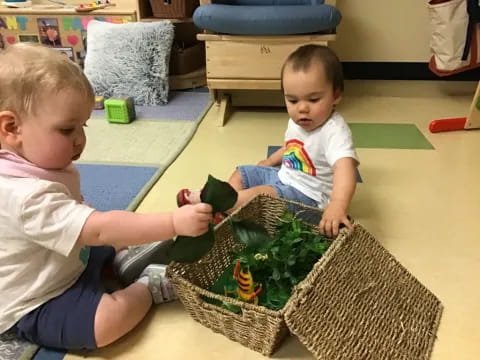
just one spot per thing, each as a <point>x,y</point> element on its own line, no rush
<point>29,71</point>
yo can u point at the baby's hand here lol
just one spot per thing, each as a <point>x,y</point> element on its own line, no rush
<point>192,220</point>
<point>334,215</point>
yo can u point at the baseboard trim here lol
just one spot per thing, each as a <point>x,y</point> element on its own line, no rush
<point>400,71</point>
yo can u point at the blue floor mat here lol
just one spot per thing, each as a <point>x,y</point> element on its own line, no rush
<point>109,187</point>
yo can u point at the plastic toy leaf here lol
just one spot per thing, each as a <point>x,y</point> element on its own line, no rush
<point>190,249</point>
<point>247,232</point>
<point>220,194</point>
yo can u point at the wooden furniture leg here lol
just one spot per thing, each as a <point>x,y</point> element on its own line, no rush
<point>224,106</point>
<point>473,118</point>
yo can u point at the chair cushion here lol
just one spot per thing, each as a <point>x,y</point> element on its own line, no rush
<point>266,20</point>
<point>268,2</point>
<point>130,60</point>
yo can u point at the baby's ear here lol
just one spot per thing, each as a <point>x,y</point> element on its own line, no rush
<point>9,127</point>
<point>337,95</point>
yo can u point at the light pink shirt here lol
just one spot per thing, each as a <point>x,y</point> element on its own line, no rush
<point>12,164</point>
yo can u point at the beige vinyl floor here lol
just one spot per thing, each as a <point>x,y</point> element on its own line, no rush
<point>422,205</point>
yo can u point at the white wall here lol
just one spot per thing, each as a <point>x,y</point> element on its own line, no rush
<point>383,30</point>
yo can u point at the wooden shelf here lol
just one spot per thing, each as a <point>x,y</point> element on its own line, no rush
<point>43,10</point>
<point>44,7</point>
<point>175,21</point>
<point>191,80</point>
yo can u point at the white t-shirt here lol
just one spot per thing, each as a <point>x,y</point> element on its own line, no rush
<point>309,157</point>
<point>39,255</point>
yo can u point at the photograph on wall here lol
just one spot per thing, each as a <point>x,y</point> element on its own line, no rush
<point>28,38</point>
<point>49,32</point>
<point>67,51</point>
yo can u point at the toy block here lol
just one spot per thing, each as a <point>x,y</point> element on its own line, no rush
<point>120,110</point>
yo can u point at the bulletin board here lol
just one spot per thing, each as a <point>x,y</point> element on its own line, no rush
<point>65,33</point>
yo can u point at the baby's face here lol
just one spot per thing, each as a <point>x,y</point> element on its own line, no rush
<point>53,136</point>
<point>309,97</point>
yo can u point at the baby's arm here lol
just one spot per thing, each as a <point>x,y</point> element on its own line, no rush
<point>274,159</point>
<point>344,184</point>
<point>123,228</point>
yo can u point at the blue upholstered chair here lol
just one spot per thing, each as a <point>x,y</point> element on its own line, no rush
<point>267,17</point>
<point>247,41</point>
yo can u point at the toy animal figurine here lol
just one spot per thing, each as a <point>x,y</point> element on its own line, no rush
<point>247,289</point>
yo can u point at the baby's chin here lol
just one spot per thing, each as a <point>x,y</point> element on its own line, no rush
<point>306,124</point>
<point>57,165</point>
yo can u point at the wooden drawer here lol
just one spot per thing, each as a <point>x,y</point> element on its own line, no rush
<point>260,58</point>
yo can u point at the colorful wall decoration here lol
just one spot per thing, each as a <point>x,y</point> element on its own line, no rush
<point>64,33</point>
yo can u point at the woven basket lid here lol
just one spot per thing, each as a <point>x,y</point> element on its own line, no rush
<point>359,302</point>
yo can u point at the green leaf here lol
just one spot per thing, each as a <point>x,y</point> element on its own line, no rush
<point>224,281</point>
<point>292,259</point>
<point>233,308</point>
<point>275,274</point>
<point>190,249</point>
<point>297,240</point>
<point>220,194</point>
<point>247,232</point>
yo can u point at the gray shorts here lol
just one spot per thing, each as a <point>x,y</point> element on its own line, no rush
<point>255,175</point>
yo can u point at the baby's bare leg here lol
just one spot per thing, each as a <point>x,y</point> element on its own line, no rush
<point>236,180</point>
<point>245,195</point>
<point>120,312</point>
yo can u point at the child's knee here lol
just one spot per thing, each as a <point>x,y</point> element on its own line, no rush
<point>120,312</point>
<point>236,180</point>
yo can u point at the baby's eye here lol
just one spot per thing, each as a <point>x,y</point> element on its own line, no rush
<point>67,131</point>
<point>313,100</point>
<point>292,101</point>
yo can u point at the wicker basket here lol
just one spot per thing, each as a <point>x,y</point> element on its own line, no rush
<point>173,9</point>
<point>358,302</point>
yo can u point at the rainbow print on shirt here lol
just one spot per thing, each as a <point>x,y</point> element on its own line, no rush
<point>295,157</point>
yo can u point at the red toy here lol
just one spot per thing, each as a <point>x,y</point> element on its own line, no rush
<point>472,121</point>
<point>95,5</point>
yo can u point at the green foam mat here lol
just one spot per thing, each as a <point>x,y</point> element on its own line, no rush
<point>389,136</point>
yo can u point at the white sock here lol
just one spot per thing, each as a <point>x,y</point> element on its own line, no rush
<point>143,280</point>
<point>119,256</point>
